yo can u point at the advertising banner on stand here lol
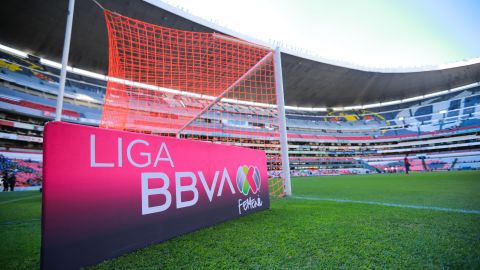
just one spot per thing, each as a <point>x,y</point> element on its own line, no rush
<point>109,192</point>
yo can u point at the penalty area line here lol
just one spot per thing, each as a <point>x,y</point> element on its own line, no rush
<point>424,207</point>
<point>20,199</point>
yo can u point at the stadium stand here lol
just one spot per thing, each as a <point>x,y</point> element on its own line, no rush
<point>28,172</point>
<point>439,133</point>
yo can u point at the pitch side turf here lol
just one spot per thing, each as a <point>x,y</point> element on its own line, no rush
<point>425,220</point>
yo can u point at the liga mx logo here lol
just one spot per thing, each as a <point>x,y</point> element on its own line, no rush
<point>248,178</point>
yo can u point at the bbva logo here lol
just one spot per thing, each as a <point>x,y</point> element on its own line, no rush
<point>248,178</point>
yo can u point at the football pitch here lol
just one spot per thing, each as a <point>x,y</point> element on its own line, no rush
<point>425,220</point>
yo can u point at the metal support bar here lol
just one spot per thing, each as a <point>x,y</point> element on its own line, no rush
<point>66,49</point>
<point>245,76</point>
<point>282,122</point>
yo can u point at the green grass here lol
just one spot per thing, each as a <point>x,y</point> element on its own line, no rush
<point>441,189</point>
<point>303,234</point>
<point>20,230</point>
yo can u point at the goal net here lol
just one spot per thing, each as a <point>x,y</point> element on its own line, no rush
<point>193,85</point>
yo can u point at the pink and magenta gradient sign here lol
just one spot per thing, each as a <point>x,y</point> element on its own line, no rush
<point>109,192</point>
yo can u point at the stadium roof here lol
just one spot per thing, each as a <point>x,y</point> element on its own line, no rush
<point>38,27</point>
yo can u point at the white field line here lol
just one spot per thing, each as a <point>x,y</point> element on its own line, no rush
<point>20,199</point>
<point>435,208</point>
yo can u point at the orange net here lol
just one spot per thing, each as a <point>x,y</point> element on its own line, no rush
<point>193,85</point>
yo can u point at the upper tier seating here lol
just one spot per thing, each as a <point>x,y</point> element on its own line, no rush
<point>451,111</point>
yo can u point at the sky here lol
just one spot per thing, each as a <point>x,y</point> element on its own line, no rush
<point>370,33</point>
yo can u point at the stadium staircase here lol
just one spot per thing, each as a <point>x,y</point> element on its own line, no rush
<point>424,164</point>
<point>453,164</point>
<point>367,166</point>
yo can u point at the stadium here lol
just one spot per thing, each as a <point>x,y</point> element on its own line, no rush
<point>335,140</point>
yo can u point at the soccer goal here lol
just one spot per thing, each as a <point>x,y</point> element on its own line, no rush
<point>194,85</point>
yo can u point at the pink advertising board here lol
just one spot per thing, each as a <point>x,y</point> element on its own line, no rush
<point>109,192</point>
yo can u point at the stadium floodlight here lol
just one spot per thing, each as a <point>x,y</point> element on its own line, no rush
<point>54,64</point>
<point>89,74</point>
<point>13,51</point>
<point>433,94</point>
<point>442,92</point>
<point>353,108</point>
<point>308,109</point>
<point>412,99</point>
<point>393,102</point>
<point>465,87</point>
<point>372,105</point>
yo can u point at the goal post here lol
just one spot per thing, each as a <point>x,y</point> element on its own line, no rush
<point>196,85</point>
<point>282,122</point>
